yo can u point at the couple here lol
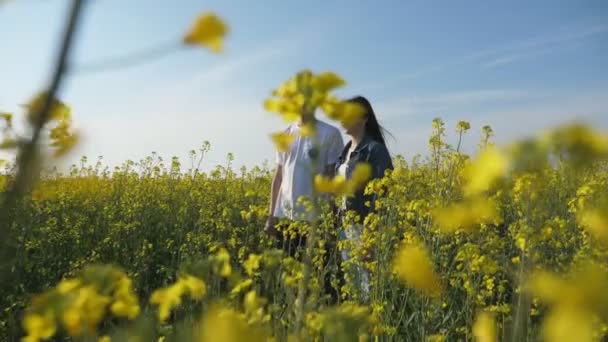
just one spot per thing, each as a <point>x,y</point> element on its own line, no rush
<point>292,178</point>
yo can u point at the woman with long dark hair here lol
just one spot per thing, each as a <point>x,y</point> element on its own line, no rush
<point>367,145</point>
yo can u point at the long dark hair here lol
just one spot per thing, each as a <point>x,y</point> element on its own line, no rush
<point>372,128</point>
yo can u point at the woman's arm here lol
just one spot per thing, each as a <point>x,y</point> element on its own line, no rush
<point>380,160</point>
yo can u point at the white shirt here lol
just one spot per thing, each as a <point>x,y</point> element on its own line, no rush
<point>297,167</point>
<point>342,170</point>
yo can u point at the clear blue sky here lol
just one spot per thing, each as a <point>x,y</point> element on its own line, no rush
<point>520,66</point>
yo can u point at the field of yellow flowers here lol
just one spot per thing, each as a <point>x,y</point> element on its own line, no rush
<point>510,244</point>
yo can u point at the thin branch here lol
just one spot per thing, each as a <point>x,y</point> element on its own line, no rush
<point>122,62</point>
<point>26,157</point>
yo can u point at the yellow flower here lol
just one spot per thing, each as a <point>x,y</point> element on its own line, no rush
<point>361,174</point>
<point>327,81</point>
<point>347,113</point>
<point>436,338</point>
<point>480,174</point>
<point>104,339</point>
<point>567,324</point>
<point>326,185</point>
<point>282,141</point>
<point>67,285</point>
<point>72,321</point>
<point>415,268</point>
<point>243,285</point>
<point>125,302</point>
<point>167,299</point>
<point>596,222</point>
<point>252,264</point>
<point>466,214</point>
<point>484,328</point>
<point>39,327</point>
<point>196,286</point>
<point>124,308</point>
<point>58,111</point>
<point>579,143</point>
<point>224,258</point>
<point>85,311</point>
<point>208,31</point>
<point>226,325</point>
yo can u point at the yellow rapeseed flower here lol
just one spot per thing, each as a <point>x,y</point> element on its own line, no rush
<point>326,82</point>
<point>224,259</point>
<point>226,325</point>
<point>58,111</point>
<point>67,285</point>
<point>252,263</point>
<point>195,286</point>
<point>327,185</point>
<point>578,142</point>
<point>596,222</point>
<point>567,324</point>
<point>241,286</point>
<point>167,299</point>
<point>480,174</point>
<point>414,267</point>
<point>345,112</point>
<point>465,215</point>
<point>104,339</point>
<point>85,311</point>
<point>39,327</point>
<point>282,141</point>
<point>361,174</point>
<point>484,328</point>
<point>126,303</point>
<point>208,31</point>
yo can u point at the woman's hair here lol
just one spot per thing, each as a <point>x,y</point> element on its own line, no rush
<point>372,127</point>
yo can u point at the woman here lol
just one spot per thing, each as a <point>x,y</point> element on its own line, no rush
<point>367,145</point>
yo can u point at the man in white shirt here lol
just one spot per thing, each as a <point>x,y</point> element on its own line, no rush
<point>292,178</point>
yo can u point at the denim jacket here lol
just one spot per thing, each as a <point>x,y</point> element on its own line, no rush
<point>377,156</point>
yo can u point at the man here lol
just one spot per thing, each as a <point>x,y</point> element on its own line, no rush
<point>292,178</point>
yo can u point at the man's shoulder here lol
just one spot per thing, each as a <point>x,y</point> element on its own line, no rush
<point>327,129</point>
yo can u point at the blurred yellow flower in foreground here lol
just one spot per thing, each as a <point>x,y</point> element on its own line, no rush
<point>327,185</point>
<point>566,324</point>
<point>226,325</point>
<point>414,267</point>
<point>361,174</point>
<point>282,141</point>
<point>208,31</point>
<point>338,185</point>
<point>125,301</point>
<point>596,222</point>
<point>327,81</point>
<point>39,327</point>
<point>484,328</point>
<point>576,301</point>
<point>346,112</point>
<point>466,214</point>
<point>169,298</point>
<point>85,311</point>
<point>480,174</point>
<point>252,263</point>
<point>578,142</point>
<point>196,286</point>
<point>303,93</point>
<point>58,111</point>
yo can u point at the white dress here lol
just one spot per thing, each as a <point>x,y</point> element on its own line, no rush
<point>359,274</point>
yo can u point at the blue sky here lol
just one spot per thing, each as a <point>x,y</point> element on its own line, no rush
<point>519,66</point>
